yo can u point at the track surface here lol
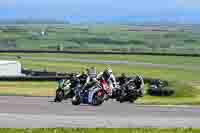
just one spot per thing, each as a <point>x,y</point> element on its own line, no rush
<point>36,112</point>
<point>116,62</point>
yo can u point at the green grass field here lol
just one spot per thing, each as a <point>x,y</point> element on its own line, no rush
<point>28,88</point>
<point>163,73</point>
<point>101,130</point>
<point>188,61</point>
<point>112,37</point>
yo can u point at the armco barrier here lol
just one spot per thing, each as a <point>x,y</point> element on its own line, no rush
<point>32,75</point>
<point>42,73</point>
<point>33,78</point>
<point>93,52</point>
<point>44,78</point>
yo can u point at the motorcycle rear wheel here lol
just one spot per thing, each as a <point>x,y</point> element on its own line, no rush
<point>59,96</point>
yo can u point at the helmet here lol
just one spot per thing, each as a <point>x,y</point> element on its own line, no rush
<point>92,72</point>
<point>139,79</point>
<point>84,72</point>
<point>108,71</point>
<point>73,75</point>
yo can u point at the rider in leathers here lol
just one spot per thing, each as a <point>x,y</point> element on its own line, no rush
<point>108,76</point>
<point>139,82</point>
<point>91,78</point>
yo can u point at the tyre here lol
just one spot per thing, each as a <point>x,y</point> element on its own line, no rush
<point>76,100</point>
<point>59,96</point>
<point>117,99</point>
<point>120,99</point>
<point>118,93</point>
<point>141,93</point>
<point>97,100</point>
<point>131,100</point>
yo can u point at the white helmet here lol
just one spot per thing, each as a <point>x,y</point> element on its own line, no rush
<point>109,71</point>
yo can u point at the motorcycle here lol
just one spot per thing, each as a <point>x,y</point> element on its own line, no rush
<point>67,87</point>
<point>131,90</point>
<point>64,91</point>
<point>95,95</point>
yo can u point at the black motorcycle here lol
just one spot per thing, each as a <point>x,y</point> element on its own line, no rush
<point>130,91</point>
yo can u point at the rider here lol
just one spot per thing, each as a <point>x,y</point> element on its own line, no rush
<point>75,81</point>
<point>83,76</point>
<point>91,77</point>
<point>122,79</point>
<point>139,82</point>
<point>108,76</point>
<point>61,83</point>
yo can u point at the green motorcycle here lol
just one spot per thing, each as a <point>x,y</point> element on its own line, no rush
<point>64,91</point>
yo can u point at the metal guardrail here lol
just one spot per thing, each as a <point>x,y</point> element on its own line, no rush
<point>93,52</point>
<point>33,75</point>
<point>46,78</point>
<point>32,78</point>
<point>42,73</point>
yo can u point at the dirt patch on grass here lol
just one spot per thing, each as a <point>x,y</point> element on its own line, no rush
<point>7,87</point>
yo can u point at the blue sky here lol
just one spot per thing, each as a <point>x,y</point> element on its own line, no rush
<point>100,9</point>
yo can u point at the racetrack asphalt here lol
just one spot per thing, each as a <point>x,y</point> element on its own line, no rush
<point>107,62</point>
<point>42,112</point>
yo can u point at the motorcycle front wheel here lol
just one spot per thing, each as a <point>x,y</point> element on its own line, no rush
<point>97,100</point>
<point>76,100</point>
<point>133,99</point>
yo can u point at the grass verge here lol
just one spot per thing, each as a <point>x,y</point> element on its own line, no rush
<point>184,93</point>
<point>28,88</point>
<point>173,60</point>
<point>163,73</point>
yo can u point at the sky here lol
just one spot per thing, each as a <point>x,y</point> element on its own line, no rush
<point>101,10</point>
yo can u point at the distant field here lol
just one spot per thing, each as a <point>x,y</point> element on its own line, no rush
<point>176,39</point>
